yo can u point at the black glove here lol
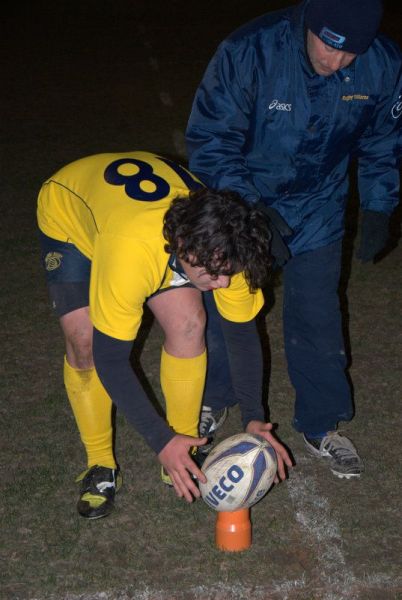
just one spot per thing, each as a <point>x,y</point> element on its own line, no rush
<point>374,234</point>
<point>279,229</point>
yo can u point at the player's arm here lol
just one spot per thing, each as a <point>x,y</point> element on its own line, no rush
<point>379,148</point>
<point>112,363</point>
<point>246,366</point>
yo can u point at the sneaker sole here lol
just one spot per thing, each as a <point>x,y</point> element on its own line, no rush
<point>345,475</point>
<point>95,518</point>
<point>91,514</point>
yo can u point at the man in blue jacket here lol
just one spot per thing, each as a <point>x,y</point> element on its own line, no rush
<point>285,104</point>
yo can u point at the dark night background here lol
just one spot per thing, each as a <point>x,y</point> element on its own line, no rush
<point>80,78</point>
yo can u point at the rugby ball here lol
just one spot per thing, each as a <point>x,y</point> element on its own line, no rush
<point>239,471</point>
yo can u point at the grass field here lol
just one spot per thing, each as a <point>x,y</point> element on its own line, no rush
<point>81,79</point>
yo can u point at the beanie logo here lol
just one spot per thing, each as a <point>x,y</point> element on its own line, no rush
<point>331,38</point>
<point>396,110</point>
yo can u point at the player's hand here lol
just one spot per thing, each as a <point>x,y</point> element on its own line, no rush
<point>264,430</point>
<point>175,458</point>
<point>279,230</point>
<point>374,235</point>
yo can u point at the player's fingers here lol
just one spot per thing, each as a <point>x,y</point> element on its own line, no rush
<point>281,452</point>
<point>281,468</point>
<point>196,471</point>
<point>193,473</point>
<point>187,487</point>
<point>198,441</point>
<point>285,457</point>
<point>282,458</point>
<point>194,491</point>
<point>184,493</point>
<point>184,485</point>
<point>176,486</point>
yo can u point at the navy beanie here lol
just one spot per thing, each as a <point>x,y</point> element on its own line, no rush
<point>348,25</point>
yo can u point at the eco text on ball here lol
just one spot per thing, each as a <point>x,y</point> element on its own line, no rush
<point>219,492</point>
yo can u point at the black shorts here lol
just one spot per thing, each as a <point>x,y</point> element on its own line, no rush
<point>67,272</point>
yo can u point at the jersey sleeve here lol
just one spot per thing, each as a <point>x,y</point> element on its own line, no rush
<point>124,274</point>
<point>236,302</point>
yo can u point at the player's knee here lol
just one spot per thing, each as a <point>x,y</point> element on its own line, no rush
<point>188,330</point>
<point>193,326</point>
<point>79,352</point>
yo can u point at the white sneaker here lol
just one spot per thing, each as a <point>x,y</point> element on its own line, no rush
<point>342,456</point>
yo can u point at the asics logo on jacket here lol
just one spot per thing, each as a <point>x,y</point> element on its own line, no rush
<point>280,105</point>
<point>396,110</point>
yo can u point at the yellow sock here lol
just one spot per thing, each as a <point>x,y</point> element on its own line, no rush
<point>92,410</point>
<point>182,381</point>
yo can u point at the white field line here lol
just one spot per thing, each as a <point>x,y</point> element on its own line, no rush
<point>217,592</point>
<point>287,590</point>
<point>322,535</point>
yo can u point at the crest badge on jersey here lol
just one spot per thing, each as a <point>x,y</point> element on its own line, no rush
<point>53,261</point>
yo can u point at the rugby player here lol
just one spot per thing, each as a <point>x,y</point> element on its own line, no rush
<point>119,231</point>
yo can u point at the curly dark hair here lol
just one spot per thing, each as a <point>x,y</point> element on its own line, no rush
<point>218,230</point>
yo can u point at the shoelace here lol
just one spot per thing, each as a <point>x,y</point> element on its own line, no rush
<point>96,482</point>
<point>345,452</point>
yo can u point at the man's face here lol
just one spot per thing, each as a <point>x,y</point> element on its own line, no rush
<point>325,59</point>
<point>203,280</point>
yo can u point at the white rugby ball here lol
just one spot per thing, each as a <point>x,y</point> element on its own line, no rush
<point>239,471</point>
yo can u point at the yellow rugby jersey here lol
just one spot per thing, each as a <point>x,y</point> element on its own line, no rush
<point>111,207</point>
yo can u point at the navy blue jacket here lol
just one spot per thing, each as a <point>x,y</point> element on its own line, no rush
<point>265,124</point>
